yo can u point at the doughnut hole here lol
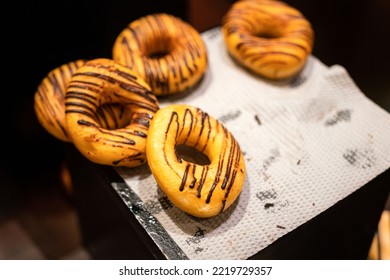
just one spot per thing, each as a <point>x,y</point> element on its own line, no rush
<point>191,154</point>
<point>158,54</point>
<point>269,32</point>
<point>113,116</point>
<point>158,49</point>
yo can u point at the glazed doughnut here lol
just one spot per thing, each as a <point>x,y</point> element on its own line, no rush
<point>49,99</point>
<point>49,103</point>
<point>99,82</point>
<point>268,37</point>
<point>201,189</point>
<point>168,53</point>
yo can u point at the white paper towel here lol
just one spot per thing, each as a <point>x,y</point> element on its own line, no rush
<point>308,143</point>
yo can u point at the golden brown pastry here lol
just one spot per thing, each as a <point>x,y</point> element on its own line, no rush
<point>95,84</point>
<point>168,53</point>
<point>202,189</point>
<point>49,99</point>
<point>268,37</point>
<point>49,103</point>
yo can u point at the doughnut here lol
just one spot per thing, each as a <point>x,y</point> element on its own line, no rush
<point>49,99</point>
<point>268,37</point>
<point>201,188</point>
<point>100,82</point>
<point>168,53</point>
<point>49,103</point>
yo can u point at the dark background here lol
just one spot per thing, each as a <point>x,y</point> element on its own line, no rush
<point>39,36</point>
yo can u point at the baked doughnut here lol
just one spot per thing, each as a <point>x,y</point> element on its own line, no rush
<point>49,99</point>
<point>49,103</point>
<point>168,53</point>
<point>268,37</point>
<point>99,82</point>
<point>202,189</point>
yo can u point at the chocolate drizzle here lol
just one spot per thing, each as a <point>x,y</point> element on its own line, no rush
<point>269,37</point>
<point>195,127</point>
<point>182,47</point>
<point>117,109</point>
<point>49,99</point>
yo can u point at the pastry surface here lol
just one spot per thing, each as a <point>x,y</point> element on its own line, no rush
<point>49,103</point>
<point>167,52</point>
<point>269,37</point>
<point>98,83</point>
<point>202,189</point>
<point>49,99</point>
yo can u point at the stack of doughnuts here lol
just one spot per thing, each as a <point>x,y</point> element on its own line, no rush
<point>99,82</point>
<point>49,103</point>
<point>100,106</point>
<point>108,108</point>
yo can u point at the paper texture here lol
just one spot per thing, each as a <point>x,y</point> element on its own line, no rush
<point>308,143</point>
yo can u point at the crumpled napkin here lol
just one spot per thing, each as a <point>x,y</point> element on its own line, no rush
<point>308,143</point>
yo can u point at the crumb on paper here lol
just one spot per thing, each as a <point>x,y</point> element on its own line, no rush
<point>268,205</point>
<point>258,119</point>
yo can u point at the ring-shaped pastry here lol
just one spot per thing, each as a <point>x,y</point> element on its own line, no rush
<point>168,53</point>
<point>97,83</point>
<point>268,37</point>
<point>49,99</point>
<point>202,190</point>
<point>49,103</point>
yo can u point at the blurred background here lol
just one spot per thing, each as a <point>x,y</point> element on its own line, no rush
<point>35,205</point>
